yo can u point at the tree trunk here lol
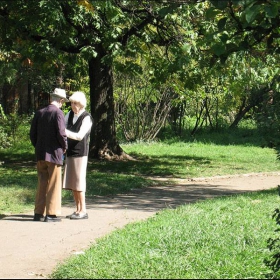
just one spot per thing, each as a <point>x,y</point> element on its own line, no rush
<point>257,97</point>
<point>24,97</point>
<point>241,113</point>
<point>239,116</point>
<point>103,140</point>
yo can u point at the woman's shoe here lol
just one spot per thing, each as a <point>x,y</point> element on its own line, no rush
<point>73,214</point>
<point>79,216</point>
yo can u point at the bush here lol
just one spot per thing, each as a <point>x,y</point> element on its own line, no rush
<point>274,247</point>
<point>5,141</point>
<point>14,129</point>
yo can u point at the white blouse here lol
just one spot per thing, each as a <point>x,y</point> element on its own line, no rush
<point>85,127</point>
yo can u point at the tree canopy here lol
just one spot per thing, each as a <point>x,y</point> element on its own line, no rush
<point>57,34</point>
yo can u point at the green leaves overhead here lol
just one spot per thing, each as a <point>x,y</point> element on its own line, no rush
<point>219,4</point>
<point>218,49</point>
<point>251,12</point>
<point>222,23</point>
<point>272,10</point>
<point>175,33</point>
<point>242,25</point>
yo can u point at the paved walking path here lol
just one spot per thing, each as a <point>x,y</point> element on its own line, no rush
<point>31,250</point>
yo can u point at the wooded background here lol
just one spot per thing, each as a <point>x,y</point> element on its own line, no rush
<point>144,64</point>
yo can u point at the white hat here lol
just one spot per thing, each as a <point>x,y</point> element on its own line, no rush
<point>61,93</point>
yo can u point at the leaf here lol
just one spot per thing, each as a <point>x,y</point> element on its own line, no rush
<point>211,13</point>
<point>218,49</point>
<point>186,48</point>
<point>219,4</point>
<point>269,41</point>
<point>231,47</point>
<point>222,23</point>
<point>224,38</point>
<point>271,11</point>
<point>251,13</point>
<point>86,4</point>
<point>166,10</point>
<point>244,45</point>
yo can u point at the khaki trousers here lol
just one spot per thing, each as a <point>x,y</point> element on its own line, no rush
<point>48,196</point>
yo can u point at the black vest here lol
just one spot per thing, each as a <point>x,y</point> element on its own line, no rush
<point>77,148</point>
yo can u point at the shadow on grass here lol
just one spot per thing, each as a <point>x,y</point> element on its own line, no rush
<point>164,165</point>
<point>16,160</point>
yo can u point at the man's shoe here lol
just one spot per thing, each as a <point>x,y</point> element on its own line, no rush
<point>52,218</point>
<point>79,216</point>
<point>38,217</point>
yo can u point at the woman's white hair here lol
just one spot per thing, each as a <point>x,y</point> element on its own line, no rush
<point>79,97</point>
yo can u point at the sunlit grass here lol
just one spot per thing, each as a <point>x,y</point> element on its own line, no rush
<point>222,238</point>
<point>200,160</point>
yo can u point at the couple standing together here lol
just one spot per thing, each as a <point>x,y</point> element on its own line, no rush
<point>54,136</point>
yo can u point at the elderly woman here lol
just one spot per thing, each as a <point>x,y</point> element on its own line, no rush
<point>78,126</point>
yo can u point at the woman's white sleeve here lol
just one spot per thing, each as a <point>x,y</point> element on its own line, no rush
<point>85,127</point>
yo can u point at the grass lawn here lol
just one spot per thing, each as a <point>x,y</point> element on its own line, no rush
<point>223,238</point>
<point>219,238</point>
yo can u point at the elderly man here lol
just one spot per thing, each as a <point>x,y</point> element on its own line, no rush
<point>47,135</point>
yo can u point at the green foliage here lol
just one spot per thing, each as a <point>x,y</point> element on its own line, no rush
<point>273,244</point>
<point>267,118</point>
<point>17,127</point>
<point>15,132</point>
<point>5,141</point>
<point>9,67</point>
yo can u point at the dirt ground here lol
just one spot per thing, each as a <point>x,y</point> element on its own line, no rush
<point>31,250</point>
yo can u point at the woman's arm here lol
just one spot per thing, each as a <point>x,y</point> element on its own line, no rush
<point>85,127</point>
